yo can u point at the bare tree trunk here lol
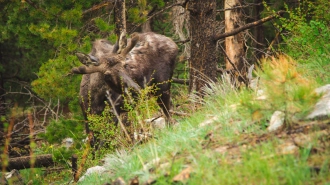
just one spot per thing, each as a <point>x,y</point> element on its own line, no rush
<point>203,61</point>
<point>120,17</point>
<point>235,43</point>
<point>180,22</point>
<point>146,26</point>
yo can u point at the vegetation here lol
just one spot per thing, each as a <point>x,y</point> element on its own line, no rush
<point>220,137</point>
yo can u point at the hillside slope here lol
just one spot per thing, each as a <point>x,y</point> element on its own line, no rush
<point>230,141</point>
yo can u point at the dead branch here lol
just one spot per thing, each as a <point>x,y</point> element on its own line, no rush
<point>247,26</point>
<point>182,41</point>
<point>179,113</point>
<point>117,115</point>
<point>98,6</point>
<point>180,81</point>
<point>273,42</point>
<point>234,66</point>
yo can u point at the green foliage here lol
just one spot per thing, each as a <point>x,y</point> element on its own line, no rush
<point>64,128</point>
<point>141,107</point>
<point>139,12</point>
<point>105,130</point>
<point>59,130</point>
<point>307,41</point>
<point>103,26</point>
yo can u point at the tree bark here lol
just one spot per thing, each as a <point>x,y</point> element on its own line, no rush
<point>234,44</point>
<point>120,17</point>
<point>24,162</point>
<point>203,61</point>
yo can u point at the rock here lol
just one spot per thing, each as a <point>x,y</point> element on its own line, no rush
<point>158,123</point>
<point>67,142</point>
<point>261,95</point>
<point>96,169</point>
<point>276,121</point>
<point>287,148</point>
<point>322,107</point>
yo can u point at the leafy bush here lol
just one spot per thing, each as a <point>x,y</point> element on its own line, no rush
<point>105,130</point>
<point>307,41</point>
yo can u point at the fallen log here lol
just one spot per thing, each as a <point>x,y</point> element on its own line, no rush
<point>18,163</point>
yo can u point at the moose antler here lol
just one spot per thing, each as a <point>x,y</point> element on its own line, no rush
<point>134,40</point>
<point>122,42</point>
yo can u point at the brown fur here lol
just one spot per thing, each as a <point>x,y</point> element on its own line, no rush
<point>148,58</point>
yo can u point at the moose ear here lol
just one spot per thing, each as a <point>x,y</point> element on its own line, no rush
<point>87,59</point>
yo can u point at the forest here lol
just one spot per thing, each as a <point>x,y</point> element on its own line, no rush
<point>165,92</point>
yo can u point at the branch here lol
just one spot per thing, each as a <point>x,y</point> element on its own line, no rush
<point>180,81</point>
<point>247,26</point>
<point>98,6</point>
<point>182,41</point>
<point>234,66</point>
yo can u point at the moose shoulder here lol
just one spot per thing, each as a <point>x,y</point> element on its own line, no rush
<point>148,59</point>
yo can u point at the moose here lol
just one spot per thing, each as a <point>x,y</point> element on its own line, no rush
<point>148,59</point>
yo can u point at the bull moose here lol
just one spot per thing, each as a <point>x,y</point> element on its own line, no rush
<point>148,59</point>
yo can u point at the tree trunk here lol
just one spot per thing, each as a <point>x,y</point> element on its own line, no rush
<point>203,61</point>
<point>120,17</point>
<point>235,43</point>
<point>146,26</point>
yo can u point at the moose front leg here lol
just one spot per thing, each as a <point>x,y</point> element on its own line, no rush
<point>164,101</point>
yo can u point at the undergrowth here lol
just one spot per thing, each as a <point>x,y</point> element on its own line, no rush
<point>225,149</point>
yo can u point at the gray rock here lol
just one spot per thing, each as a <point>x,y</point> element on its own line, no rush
<point>96,169</point>
<point>322,107</point>
<point>276,121</point>
<point>157,123</point>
